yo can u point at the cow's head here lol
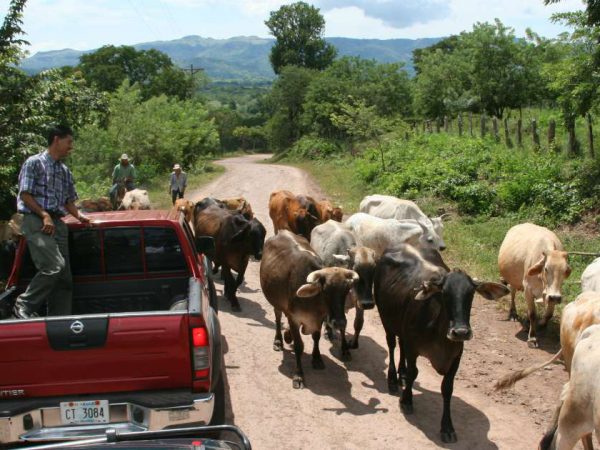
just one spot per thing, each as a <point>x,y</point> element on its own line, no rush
<point>456,290</point>
<point>333,284</point>
<point>553,268</point>
<point>430,238</point>
<point>251,232</point>
<point>305,222</point>
<point>337,214</point>
<point>363,261</point>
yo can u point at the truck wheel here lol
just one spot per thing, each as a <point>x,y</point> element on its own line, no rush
<point>212,292</point>
<point>218,417</point>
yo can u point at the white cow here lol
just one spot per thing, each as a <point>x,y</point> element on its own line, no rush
<point>381,234</point>
<point>136,199</point>
<point>388,207</point>
<point>590,278</point>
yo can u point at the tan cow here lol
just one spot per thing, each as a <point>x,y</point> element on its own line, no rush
<point>578,315</point>
<point>579,410</point>
<point>328,212</point>
<point>186,207</point>
<point>239,204</point>
<point>532,260</point>
<point>11,230</point>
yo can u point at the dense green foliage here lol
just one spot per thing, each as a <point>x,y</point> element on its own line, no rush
<point>109,66</point>
<point>298,30</point>
<point>145,116</point>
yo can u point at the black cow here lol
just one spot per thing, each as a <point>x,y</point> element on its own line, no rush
<point>236,239</point>
<point>428,309</point>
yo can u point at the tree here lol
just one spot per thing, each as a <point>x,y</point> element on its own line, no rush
<point>386,87</point>
<point>574,77</point>
<point>446,46</point>
<point>107,67</point>
<point>361,123</point>
<point>592,11</point>
<point>298,29</point>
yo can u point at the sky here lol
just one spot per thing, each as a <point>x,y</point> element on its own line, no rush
<point>89,24</point>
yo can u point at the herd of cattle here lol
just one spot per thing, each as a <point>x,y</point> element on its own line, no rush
<point>315,268</point>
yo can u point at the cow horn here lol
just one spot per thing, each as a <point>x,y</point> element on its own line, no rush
<point>314,277</point>
<point>443,216</point>
<point>353,275</point>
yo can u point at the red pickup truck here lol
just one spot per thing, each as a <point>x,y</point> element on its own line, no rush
<point>142,350</point>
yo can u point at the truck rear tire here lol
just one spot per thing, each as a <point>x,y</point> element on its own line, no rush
<point>218,417</point>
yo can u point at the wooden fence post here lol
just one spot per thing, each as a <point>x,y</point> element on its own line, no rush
<point>507,134</point>
<point>424,126</point>
<point>437,124</point>
<point>552,134</point>
<point>445,124</point>
<point>590,135</point>
<point>471,123</point>
<point>495,125</point>
<point>520,132</point>
<point>534,134</point>
<point>483,125</point>
<point>460,124</point>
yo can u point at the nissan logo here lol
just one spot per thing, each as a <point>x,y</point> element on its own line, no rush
<point>76,327</point>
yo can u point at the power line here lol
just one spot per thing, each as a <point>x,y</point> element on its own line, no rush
<point>141,16</point>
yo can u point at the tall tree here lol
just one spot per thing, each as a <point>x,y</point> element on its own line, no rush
<point>298,29</point>
<point>109,66</point>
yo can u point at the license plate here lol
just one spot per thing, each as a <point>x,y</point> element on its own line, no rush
<point>87,412</point>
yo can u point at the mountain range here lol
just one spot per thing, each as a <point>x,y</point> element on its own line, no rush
<point>239,58</point>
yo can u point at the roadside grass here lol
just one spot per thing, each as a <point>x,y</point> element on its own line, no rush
<point>472,242</point>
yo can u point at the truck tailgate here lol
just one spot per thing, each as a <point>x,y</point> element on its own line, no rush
<point>94,354</point>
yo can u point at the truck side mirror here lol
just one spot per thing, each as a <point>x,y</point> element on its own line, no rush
<point>205,244</point>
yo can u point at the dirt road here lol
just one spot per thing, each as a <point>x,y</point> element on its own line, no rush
<point>347,405</point>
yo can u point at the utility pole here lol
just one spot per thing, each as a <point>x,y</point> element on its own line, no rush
<point>193,70</point>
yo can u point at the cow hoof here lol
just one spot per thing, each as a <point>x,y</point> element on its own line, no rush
<point>393,388</point>
<point>235,307</point>
<point>298,383</point>
<point>448,437</point>
<point>407,408</point>
<point>532,343</point>
<point>330,336</point>
<point>287,336</point>
<point>318,364</point>
<point>346,356</point>
<point>354,344</point>
<point>512,315</point>
<point>277,345</point>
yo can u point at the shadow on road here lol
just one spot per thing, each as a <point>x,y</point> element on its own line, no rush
<point>333,382</point>
<point>471,425</point>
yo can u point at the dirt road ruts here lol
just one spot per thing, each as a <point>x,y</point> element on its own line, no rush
<point>347,406</point>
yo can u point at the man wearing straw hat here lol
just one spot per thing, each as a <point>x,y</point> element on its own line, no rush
<point>123,174</point>
<point>177,183</point>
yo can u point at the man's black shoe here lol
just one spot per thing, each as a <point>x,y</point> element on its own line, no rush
<point>21,312</point>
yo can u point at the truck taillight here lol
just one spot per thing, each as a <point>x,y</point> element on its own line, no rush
<point>201,352</point>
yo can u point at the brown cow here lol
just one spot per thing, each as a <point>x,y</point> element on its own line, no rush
<point>428,309</point>
<point>297,214</point>
<point>186,207</point>
<point>236,239</point>
<point>296,284</point>
<point>531,259</point>
<point>98,205</point>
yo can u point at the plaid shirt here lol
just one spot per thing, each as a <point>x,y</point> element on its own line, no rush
<point>50,183</point>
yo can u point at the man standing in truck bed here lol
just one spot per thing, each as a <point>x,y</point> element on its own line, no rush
<point>46,193</point>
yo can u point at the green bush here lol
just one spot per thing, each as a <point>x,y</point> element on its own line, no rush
<point>312,147</point>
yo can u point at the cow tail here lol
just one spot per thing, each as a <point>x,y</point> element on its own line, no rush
<point>510,379</point>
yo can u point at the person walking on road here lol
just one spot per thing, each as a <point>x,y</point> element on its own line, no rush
<point>178,183</point>
<point>46,194</point>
